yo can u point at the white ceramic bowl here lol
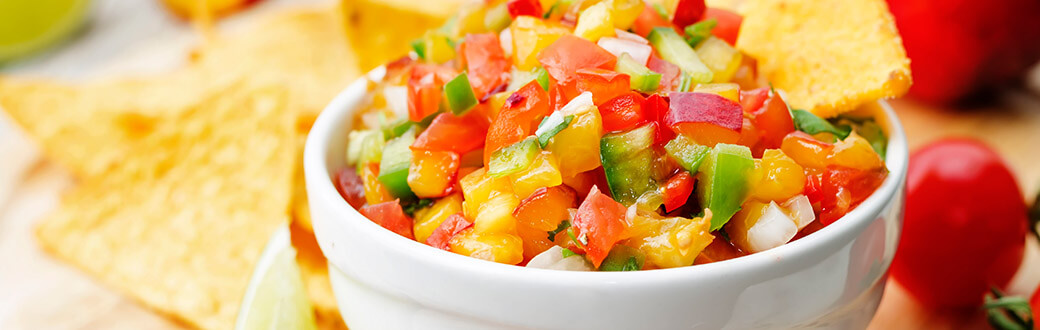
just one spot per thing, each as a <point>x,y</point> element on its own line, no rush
<point>831,279</point>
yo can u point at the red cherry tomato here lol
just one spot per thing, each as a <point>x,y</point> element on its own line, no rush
<point>350,187</point>
<point>965,225</point>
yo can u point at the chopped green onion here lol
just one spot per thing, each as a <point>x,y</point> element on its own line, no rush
<point>697,32</point>
<point>513,158</point>
<point>808,122</point>
<point>673,48</point>
<point>641,78</point>
<point>459,95</point>
<point>550,126</point>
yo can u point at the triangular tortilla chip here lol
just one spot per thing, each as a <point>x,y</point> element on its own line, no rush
<point>181,224</point>
<point>828,56</point>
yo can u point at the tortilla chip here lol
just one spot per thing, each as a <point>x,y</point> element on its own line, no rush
<point>828,56</point>
<point>180,225</point>
<point>384,29</point>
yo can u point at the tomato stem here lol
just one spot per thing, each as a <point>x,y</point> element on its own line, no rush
<point>1007,313</point>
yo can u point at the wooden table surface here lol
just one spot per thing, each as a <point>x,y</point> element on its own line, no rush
<point>39,292</point>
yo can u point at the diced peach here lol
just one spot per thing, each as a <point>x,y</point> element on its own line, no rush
<point>577,146</point>
<point>855,152</point>
<point>776,177</point>
<point>432,172</point>
<point>375,192</point>
<point>805,150</point>
<point>477,188</point>
<point>428,219</point>
<point>546,208</point>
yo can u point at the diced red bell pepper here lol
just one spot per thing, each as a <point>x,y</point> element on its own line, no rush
<point>753,99</point>
<point>486,63</point>
<point>655,108</point>
<point>688,12</point>
<point>844,188</point>
<point>441,237</point>
<point>424,89</point>
<point>727,26</point>
<point>648,19</point>
<point>600,222</point>
<point>524,8</point>
<point>773,121</point>
<point>564,57</point>
<point>517,119</point>
<point>390,216</point>
<point>449,132</point>
<point>350,186</point>
<point>623,113</point>
<point>603,84</point>
<point>546,207</point>
<point>677,190</point>
<point>670,73</point>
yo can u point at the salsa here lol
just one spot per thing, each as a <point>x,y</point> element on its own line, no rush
<point>604,135</point>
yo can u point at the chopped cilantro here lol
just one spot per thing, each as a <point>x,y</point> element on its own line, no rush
<point>563,226</point>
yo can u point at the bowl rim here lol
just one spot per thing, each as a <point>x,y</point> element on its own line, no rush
<point>837,234</point>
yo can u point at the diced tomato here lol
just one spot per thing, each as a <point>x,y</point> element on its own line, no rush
<point>486,63</point>
<point>655,109</point>
<point>600,222</point>
<point>424,89</point>
<point>449,132</point>
<point>564,57</point>
<point>517,119</point>
<point>688,12</point>
<point>773,121</point>
<point>390,216</point>
<point>677,190</point>
<point>350,186</point>
<point>524,7</point>
<point>753,99</point>
<point>648,19</point>
<point>727,25</point>
<point>624,112</point>
<point>670,73</point>
<point>546,207</point>
<point>603,84</point>
<point>448,229</point>
<point>844,188</point>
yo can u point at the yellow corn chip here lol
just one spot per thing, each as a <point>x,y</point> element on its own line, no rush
<point>383,29</point>
<point>828,56</point>
<point>180,225</point>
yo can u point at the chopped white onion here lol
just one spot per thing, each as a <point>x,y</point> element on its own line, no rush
<point>397,100</point>
<point>773,229</point>
<point>505,39</point>
<point>578,104</point>
<point>639,52</point>
<point>801,211</point>
<point>631,36</point>
<point>553,259</point>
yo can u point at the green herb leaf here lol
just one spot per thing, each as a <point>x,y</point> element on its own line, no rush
<point>808,122</point>
<point>567,253</point>
<point>563,226</point>
<point>623,258</point>
<point>411,206</point>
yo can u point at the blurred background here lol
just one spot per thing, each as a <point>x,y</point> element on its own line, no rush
<point>974,66</point>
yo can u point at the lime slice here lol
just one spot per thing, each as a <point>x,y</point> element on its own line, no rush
<point>30,25</point>
<point>276,298</point>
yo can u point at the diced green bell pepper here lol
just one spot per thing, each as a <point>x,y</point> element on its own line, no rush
<point>365,147</point>
<point>674,49</point>
<point>459,95</point>
<point>552,124</point>
<point>723,184</point>
<point>808,122</point>
<point>697,32</point>
<point>542,76</point>
<point>623,258</point>
<point>627,159</point>
<point>687,153</point>
<point>513,158</point>
<point>640,77</point>
<point>393,168</point>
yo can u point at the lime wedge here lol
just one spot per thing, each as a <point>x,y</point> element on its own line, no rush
<point>276,298</point>
<point>30,25</point>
